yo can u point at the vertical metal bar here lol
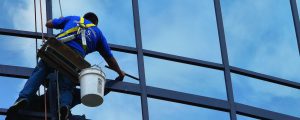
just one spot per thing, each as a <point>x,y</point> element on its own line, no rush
<point>225,60</point>
<point>296,21</point>
<point>51,89</point>
<point>49,15</point>
<point>140,58</point>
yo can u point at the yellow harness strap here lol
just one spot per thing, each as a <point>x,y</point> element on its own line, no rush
<point>76,29</point>
<point>79,29</point>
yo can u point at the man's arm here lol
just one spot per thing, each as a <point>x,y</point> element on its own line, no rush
<point>113,64</point>
<point>57,23</point>
<point>49,24</point>
<point>105,52</point>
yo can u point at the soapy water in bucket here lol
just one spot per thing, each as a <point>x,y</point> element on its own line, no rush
<point>92,84</point>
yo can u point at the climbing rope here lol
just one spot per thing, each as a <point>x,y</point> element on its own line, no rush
<point>60,8</point>
<point>58,96</point>
<point>36,34</point>
<point>36,46</point>
<point>43,38</point>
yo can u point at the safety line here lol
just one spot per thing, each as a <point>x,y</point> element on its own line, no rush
<point>42,28</point>
<point>60,8</point>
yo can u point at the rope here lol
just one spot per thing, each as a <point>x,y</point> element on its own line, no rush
<point>57,83</point>
<point>42,28</point>
<point>36,46</point>
<point>60,8</point>
<point>58,96</point>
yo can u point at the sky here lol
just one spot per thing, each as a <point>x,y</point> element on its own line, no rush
<point>259,33</point>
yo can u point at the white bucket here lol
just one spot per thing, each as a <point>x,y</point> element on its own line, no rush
<point>92,83</point>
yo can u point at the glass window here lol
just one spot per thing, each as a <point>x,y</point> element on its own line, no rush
<point>182,27</point>
<point>163,110</point>
<point>115,107</point>
<point>266,95</point>
<point>261,37</point>
<point>115,17</point>
<point>18,51</point>
<point>185,78</point>
<point>240,117</point>
<point>9,90</point>
<point>298,6</point>
<point>127,62</point>
<point>19,14</point>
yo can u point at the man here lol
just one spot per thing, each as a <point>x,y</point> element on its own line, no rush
<point>94,41</point>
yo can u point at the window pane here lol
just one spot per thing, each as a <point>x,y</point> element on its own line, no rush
<point>298,6</point>
<point>116,106</point>
<point>163,110</point>
<point>18,51</point>
<point>266,95</point>
<point>261,37</point>
<point>240,117</point>
<point>115,17</point>
<point>185,78</point>
<point>9,90</point>
<point>181,27</point>
<point>127,62</point>
<point>19,14</point>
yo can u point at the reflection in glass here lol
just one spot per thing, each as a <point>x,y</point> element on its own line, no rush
<point>266,95</point>
<point>185,78</point>
<point>19,14</point>
<point>164,110</point>
<point>240,117</point>
<point>298,6</point>
<point>17,51</point>
<point>116,106</point>
<point>182,27</point>
<point>115,17</point>
<point>261,37</point>
<point>9,90</point>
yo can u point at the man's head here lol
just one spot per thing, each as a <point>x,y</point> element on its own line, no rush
<point>91,17</point>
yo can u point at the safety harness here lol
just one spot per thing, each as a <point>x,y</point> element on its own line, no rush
<point>69,35</point>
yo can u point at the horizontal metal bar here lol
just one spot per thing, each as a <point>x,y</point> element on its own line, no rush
<point>189,99</point>
<point>163,94</point>
<point>265,77</point>
<point>21,33</point>
<point>15,71</point>
<point>261,113</point>
<point>3,111</point>
<point>28,113</point>
<point>123,87</point>
<point>121,48</point>
<point>183,60</point>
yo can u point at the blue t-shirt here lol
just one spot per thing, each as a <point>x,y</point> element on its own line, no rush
<point>95,40</point>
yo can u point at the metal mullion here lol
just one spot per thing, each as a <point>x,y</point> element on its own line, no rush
<point>140,58</point>
<point>296,21</point>
<point>264,77</point>
<point>164,94</point>
<point>260,113</point>
<point>228,82</point>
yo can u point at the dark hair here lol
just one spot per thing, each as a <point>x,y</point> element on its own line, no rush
<point>91,17</point>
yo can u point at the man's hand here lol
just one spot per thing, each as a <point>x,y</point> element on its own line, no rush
<point>121,76</point>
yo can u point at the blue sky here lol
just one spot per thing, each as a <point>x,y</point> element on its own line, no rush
<point>259,33</point>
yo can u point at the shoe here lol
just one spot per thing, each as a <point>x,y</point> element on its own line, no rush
<point>13,110</point>
<point>64,113</point>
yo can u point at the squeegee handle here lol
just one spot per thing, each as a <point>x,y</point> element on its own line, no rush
<point>133,77</point>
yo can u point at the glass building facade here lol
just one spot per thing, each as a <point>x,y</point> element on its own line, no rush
<point>195,60</point>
